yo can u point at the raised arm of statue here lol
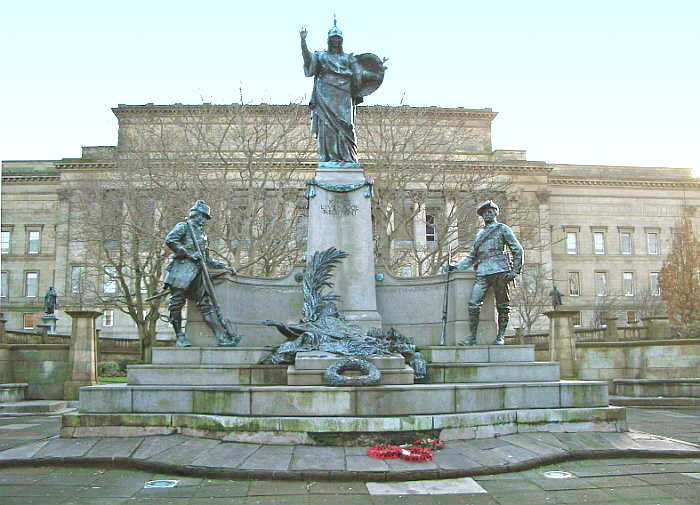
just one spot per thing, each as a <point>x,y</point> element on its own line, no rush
<point>304,49</point>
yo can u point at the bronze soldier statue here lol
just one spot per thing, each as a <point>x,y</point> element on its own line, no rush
<point>493,269</point>
<point>185,274</point>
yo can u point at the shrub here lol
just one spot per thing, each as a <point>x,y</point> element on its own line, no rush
<point>107,369</point>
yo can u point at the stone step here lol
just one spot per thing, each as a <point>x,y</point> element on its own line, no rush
<point>478,353</point>
<point>296,377</point>
<point>689,388</point>
<point>13,392</point>
<point>327,430</point>
<point>441,373</point>
<point>318,360</point>
<point>399,400</point>
<point>207,375</point>
<point>210,355</point>
<point>657,401</point>
<point>36,407</point>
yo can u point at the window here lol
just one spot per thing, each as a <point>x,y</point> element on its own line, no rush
<point>430,236</point>
<point>109,282</point>
<point>598,242</point>
<point>405,271</point>
<point>5,241</point>
<point>571,246</point>
<point>77,279</point>
<point>33,242</point>
<point>4,284</point>
<point>626,242</point>
<point>574,284</point>
<point>108,318</point>
<point>601,284</point>
<point>628,283</point>
<point>31,284</point>
<point>654,284</point>
<point>576,318</point>
<point>652,243</point>
<point>28,321</point>
<point>632,317</point>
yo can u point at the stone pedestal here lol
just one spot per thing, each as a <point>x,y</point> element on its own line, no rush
<point>50,321</point>
<point>83,352</point>
<point>562,341</point>
<point>340,216</point>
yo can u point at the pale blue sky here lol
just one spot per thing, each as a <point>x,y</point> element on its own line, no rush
<point>585,82</point>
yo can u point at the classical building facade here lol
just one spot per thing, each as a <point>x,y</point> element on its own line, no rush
<point>598,233</point>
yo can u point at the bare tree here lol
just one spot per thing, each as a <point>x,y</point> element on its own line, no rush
<point>425,191</point>
<point>530,297</point>
<point>679,278</point>
<point>243,160</point>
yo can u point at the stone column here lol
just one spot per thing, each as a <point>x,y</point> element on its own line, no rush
<point>562,341</point>
<point>611,334</point>
<point>340,216</point>
<point>82,353</point>
<point>3,335</point>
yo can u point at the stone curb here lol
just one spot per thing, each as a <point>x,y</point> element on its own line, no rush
<point>341,475</point>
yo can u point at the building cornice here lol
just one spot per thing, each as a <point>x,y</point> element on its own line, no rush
<point>617,183</point>
<point>10,179</point>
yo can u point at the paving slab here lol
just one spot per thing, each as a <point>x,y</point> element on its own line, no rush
<point>225,455</point>
<point>463,485</point>
<point>66,448</point>
<point>157,444</point>
<point>318,458</point>
<point>269,457</point>
<point>114,447</point>
<point>183,454</point>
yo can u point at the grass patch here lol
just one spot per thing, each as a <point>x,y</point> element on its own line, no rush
<point>111,380</point>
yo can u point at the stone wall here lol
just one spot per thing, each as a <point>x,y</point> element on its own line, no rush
<point>655,359</point>
<point>413,306</point>
<point>45,367</point>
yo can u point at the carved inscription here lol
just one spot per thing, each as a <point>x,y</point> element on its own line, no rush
<point>338,207</point>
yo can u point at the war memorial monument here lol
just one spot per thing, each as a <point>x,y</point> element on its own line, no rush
<point>333,353</point>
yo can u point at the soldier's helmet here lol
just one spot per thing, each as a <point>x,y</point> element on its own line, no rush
<point>488,204</point>
<point>201,207</point>
<point>335,31</point>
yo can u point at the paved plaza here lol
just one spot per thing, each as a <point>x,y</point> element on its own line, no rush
<point>657,462</point>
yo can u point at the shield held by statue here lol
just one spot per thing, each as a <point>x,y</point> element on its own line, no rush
<point>368,63</point>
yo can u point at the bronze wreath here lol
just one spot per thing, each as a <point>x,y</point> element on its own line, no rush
<point>370,373</point>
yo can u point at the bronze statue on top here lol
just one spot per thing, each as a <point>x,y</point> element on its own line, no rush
<point>493,269</point>
<point>340,82</point>
<point>188,277</point>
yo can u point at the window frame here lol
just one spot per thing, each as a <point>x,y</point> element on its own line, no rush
<point>574,235</point>
<point>601,235</point>
<point>602,275</point>
<point>8,242</point>
<point>30,241</point>
<point>631,291</point>
<point>27,273</point>
<point>654,288</point>
<point>655,234</point>
<point>5,284</point>
<point>629,233</point>
<point>81,281</point>
<point>108,318</point>
<point>28,316</point>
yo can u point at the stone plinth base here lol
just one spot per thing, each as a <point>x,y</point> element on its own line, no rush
<point>324,430</point>
<point>309,367</point>
<point>562,341</point>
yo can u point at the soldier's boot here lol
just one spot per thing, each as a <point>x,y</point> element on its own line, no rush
<point>176,322</point>
<point>503,318</point>
<point>473,327</point>
<point>222,339</point>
